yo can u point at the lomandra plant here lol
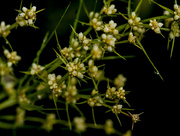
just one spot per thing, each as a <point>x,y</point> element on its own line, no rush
<point>76,79</point>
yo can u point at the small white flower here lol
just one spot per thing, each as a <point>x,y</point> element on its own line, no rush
<point>80,124</point>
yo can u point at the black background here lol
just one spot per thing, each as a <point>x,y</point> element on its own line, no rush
<point>149,94</point>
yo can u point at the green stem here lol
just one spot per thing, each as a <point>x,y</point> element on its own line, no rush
<point>69,121</point>
<point>8,103</point>
<point>77,18</point>
<point>94,117</point>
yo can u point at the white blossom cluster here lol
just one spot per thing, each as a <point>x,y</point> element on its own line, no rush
<point>4,29</point>
<point>35,69</point>
<point>49,122</point>
<point>53,84</point>
<point>114,94</point>
<point>109,10</point>
<point>67,53</point>
<point>95,21</point>
<point>76,68</point>
<point>95,101</point>
<point>80,125</point>
<point>135,23</point>
<point>132,38</point>
<point>71,94</point>
<point>111,28</point>
<point>109,127</point>
<point>117,109</point>
<point>175,31</point>
<point>26,16</point>
<point>92,68</point>
<point>109,41</point>
<point>96,51</point>
<point>12,57</point>
<point>176,12</point>
<point>84,41</point>
<point>155,26</point>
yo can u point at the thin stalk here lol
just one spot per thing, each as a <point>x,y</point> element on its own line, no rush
<point>118,119</point>
<point>55,103</point>
<point>69,121</point>
<point>77,18</point>
<point>8,103</point>
<point>94,119</point>
<point>149,59</point>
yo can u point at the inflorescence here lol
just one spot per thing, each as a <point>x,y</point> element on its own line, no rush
<point>80,60</point>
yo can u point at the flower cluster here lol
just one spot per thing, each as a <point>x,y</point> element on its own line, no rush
<point>111,28</point>
<point>120,80</point>
<point>80,125</point>
<point>174,30</point>
<point>26,16</point>
<point>71,94</point>
<point>50,121</point>
<point>95,21</point>
<point>132,38</point>
<point>92,69</point>
<point>54,86</point>
<point>111,93</point>
<point>95,101</point>
<point>96,51</point>
<point>12,57</point>
<point>67,53</point>
<point>76,68</point>
<point>109,127</point>
<point>135,23</point>
<point>176,12</point>
<point>155,26</point>
<point>35,69</point>
<point>84,41</point>
<point>109,10</point>
<point>4,29</point>
<point>109,41</point>
<point>117,109</point>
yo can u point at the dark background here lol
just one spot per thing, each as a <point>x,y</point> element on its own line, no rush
<point>149,94</point>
